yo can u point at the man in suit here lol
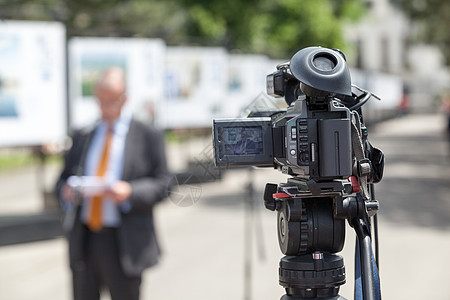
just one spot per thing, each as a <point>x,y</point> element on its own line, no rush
<point>245,145</point>
<point>112,239</point>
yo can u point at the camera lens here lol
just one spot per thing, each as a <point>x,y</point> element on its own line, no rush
<point>324,62</point>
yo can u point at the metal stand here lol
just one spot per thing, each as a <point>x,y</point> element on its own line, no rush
<point>252,221</point>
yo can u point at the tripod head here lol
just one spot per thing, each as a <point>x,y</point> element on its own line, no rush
<point>311,230</point>
<point>309,234</point>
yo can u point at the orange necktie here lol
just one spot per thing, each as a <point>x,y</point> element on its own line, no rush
<point>95,218</point>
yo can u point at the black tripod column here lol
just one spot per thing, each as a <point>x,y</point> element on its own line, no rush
<point>366,259</point>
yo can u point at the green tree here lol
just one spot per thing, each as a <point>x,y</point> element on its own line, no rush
<point>277,28</point>
<point>156,18</point>
<point>274,27</point>
<point>298,24</point>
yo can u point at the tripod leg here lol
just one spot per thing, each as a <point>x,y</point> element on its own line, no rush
<point>365,262</point>
<point>375,229</point>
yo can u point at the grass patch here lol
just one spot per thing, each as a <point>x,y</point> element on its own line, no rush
<point>16,160</point>
<point>19,159</point>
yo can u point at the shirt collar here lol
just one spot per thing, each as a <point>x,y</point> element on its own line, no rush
<point>120,126</point>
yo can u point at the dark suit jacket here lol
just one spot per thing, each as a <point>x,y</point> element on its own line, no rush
<point>250,147</point>
<point>146,170</point>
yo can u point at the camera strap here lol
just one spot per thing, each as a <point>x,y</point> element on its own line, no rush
<point>361,166</point>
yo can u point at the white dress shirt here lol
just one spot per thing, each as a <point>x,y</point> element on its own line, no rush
<point>110,212</point>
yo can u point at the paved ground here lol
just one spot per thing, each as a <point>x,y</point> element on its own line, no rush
<point>206,244</point>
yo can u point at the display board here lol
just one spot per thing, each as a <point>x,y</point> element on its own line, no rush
<point>247,83</point>
<point>143,62</point>
<point>32,83</point>
<point>196,86</point>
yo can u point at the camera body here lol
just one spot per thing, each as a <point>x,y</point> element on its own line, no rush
<point>312,138</point>
<point>316,143</point>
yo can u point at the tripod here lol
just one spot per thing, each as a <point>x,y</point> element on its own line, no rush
<point>311,230</point>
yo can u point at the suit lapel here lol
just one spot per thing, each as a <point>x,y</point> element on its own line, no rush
<point>128,152</point>
<point>85,139</point>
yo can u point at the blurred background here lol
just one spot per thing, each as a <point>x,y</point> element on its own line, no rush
<point>188,62</point>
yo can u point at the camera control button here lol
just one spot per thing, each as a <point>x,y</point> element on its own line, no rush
<point>293,152</point>
<point>303,146</point>
<point>304,157</point>
<point>293,133</point>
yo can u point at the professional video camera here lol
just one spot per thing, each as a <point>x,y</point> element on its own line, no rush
<point>321,141</point>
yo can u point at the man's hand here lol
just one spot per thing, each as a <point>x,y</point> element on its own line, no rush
<point>67,193</point>
<point>119,192</point>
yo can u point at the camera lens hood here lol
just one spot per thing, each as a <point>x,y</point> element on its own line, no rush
<point>322,69</point>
